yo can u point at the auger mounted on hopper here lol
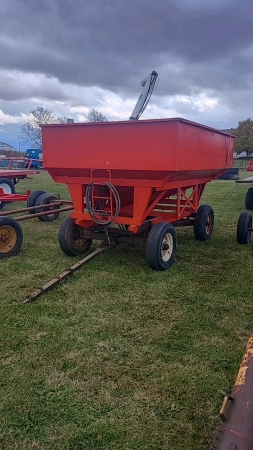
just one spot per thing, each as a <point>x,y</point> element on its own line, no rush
<point>135,181</point>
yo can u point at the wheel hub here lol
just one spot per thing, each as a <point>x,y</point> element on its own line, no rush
<point>8,239</point>
<point>6,188</point>
<point>78,239</point>
<point>208,223</point>
<point>167,247</point>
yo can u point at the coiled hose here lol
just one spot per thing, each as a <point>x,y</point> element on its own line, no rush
<point>94,213</point>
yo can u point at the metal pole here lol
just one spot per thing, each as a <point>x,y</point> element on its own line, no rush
<point>67,273</point>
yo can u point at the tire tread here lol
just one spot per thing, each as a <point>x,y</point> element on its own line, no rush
<point>65,239</point>
<point>153,247</point>
<point>200,223</point>
<point>244,222</point>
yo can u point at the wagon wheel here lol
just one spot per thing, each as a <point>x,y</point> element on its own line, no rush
<point>203,223</point>
<point>249,199</point>
<point>161,246</point>
<point>8,188</point>
<point>33,198</point>
<point>244,228</point>
<point>11,237</point>
<point>71,240</point>
<point>47,199</point>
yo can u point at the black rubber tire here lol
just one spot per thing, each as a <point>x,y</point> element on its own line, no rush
<point>11,186</point>
<point>47,199</point>
<point>249,199</point>
<point>70,240</point>
<point>230,174</point>
<point>39,203</point>
<point>204,223</point>
<point>155,253</point>
<point>11,237</point>
<point>226,176</point>
<point>31,201</point>
<point>243,225</point>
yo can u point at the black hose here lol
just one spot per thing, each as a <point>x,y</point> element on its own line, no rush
<point>94,213</point>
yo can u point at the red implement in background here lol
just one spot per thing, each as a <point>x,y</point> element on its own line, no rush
<point>250,166</point>
<point>11,171</point>
<point>17,174</point>
<point>13,197</point>
<point>16,168</point>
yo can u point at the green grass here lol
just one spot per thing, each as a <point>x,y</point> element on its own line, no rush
<point>121,357</point>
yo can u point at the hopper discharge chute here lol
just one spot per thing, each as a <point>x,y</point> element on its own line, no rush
<point>148,85</point>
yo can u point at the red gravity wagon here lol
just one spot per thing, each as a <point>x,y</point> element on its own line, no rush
<point>133,182</point>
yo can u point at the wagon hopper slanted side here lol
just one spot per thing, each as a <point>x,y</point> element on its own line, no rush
<point>144,176</point>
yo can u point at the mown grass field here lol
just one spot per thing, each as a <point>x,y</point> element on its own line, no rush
<point>121,357</point>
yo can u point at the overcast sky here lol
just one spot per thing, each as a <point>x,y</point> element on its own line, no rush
<point>73,55</point>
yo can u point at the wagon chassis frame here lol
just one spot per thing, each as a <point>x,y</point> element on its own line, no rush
<point>118,235</point>
<point>174,201</point>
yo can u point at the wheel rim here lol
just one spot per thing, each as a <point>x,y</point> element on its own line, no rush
<point>51,208</point>
<point>8,239</point>
<point>209,222</point>
<point>167,247</point>
<point>79,241</point>
<point>6,188</point>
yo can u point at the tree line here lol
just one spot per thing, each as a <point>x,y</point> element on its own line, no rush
<point>31,131</point>
<point>244,137</point>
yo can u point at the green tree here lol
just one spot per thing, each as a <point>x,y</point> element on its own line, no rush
<point>31,131</point>
<point>244,137</point>
<point>95,116</point>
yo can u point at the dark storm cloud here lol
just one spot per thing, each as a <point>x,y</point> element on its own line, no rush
<point>14,86</point>
<point>113,44</point>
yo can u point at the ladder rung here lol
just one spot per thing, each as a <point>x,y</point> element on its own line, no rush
<point>104,198</point>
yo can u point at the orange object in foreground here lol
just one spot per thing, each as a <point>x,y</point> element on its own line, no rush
<point>236,431</point>
<point>137,175</point>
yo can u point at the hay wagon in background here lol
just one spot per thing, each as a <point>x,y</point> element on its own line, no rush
<point>134,182</point>
<point>11,171</point>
